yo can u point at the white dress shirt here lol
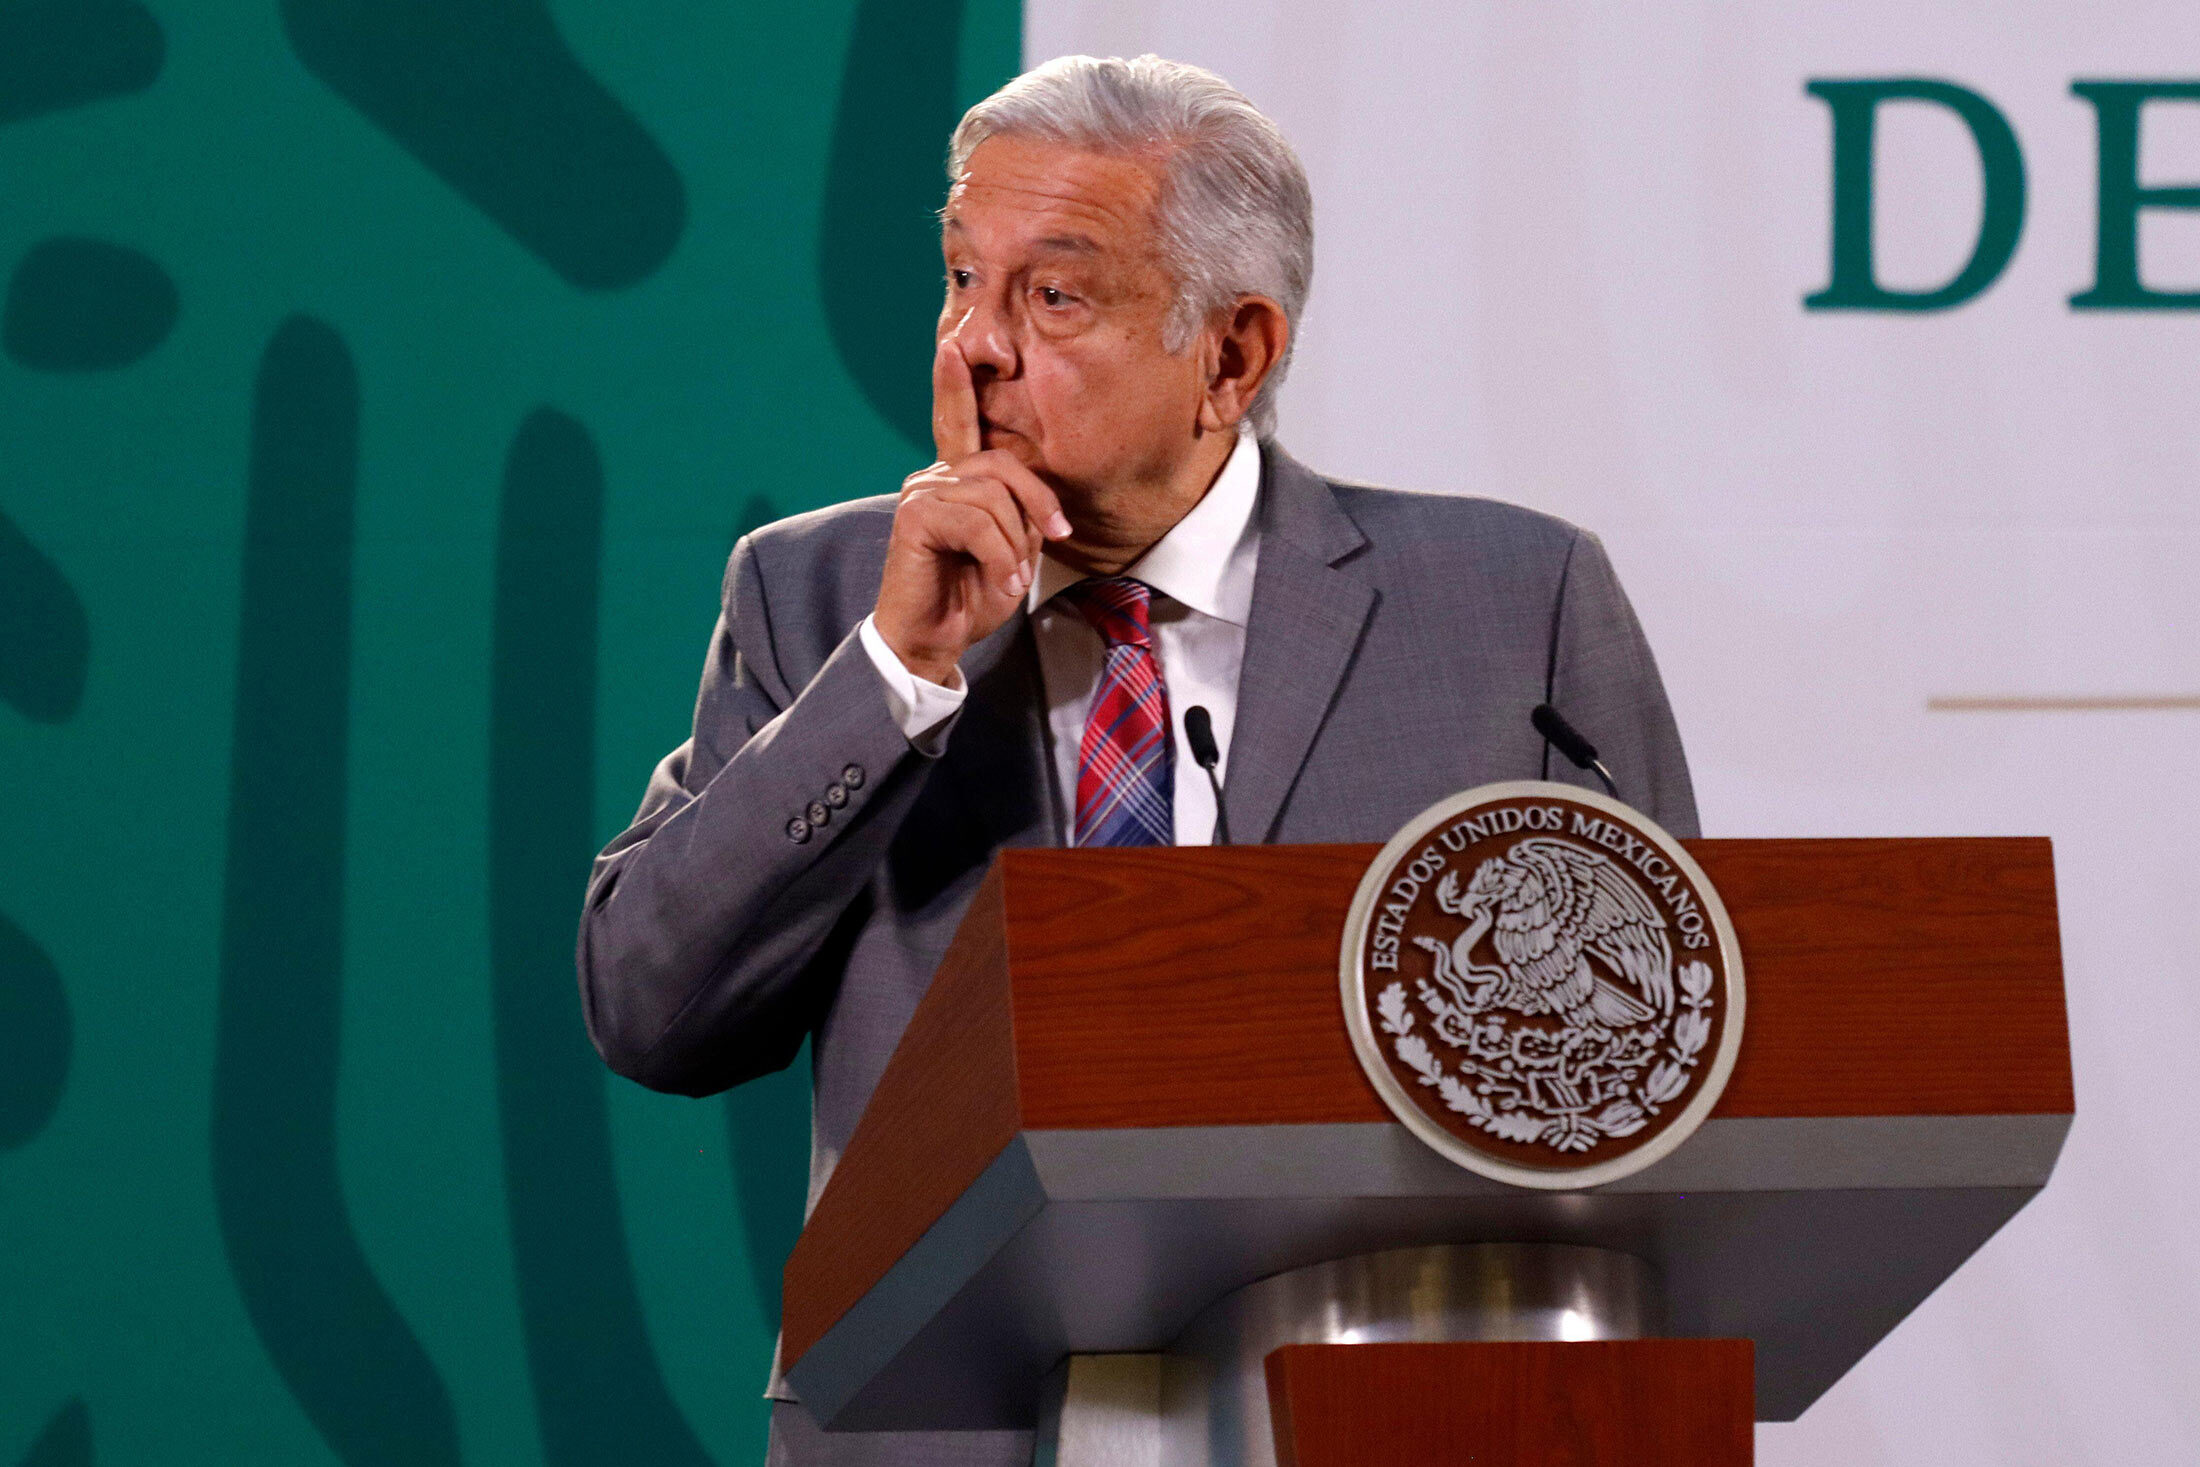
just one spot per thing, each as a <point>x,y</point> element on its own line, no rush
<point>1201,573</point>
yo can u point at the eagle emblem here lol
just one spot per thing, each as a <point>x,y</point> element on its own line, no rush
<point>1538,971</point>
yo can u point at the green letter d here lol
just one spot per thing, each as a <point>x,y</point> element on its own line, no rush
<point>1855,105</point>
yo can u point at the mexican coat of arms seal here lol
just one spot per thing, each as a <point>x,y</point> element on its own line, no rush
<point>1542,984</point>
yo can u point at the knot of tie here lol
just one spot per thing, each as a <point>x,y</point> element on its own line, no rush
<point>1117,607</point>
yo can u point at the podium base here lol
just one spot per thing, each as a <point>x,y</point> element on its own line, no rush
<point>1204,1402</point>
<point>1603,1403</point>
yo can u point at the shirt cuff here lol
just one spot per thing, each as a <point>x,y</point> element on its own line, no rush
<point>923,708</point>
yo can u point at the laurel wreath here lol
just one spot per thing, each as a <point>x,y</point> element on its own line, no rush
<point>1623,1117</point>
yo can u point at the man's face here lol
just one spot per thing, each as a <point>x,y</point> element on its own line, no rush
<point>1057,297</point>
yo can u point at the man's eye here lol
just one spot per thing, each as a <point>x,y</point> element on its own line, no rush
<point>1052,298</point>
<point>958,278</point>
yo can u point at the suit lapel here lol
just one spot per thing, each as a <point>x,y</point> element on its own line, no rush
<point>1305,624</point>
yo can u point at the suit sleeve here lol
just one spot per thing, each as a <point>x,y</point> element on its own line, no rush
<point>709,937</point>
<point>1605,681</point>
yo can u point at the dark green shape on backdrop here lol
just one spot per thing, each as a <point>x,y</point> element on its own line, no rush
<point>599,1397</point>
<point>36,1036</point>
<point>486,94</point>
<point>64,53</point>
<point>45,637</point>
<point>768,1133</point>
<point>756,512</point>
<point>879,271</point>
<point>326,1321</point>
<point>85,305</point>
<point>1854,285</point>
<point>2116,282</point>
<point>66,1441</point>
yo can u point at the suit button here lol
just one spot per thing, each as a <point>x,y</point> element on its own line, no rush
<point>852,776</point>
<point>798,830</point>
<point>836,795</point>
<point>818,813</point>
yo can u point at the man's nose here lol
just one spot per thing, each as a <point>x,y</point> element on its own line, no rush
<point>987,340</point>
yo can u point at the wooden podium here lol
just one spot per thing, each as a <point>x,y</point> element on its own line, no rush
<point>1130,1094</point>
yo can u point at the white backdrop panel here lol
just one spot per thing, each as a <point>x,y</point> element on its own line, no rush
<point>1562,252</point>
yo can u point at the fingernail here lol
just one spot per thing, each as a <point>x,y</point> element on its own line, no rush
<point>1019,581</point>
<point>1058,527</point>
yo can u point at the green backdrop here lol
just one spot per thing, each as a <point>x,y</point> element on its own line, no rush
<point>382,383</point>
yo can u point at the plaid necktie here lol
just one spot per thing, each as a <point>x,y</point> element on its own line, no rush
<point>1125,794</point>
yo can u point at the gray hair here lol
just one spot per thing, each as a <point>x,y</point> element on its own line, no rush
<point>1235,215</point>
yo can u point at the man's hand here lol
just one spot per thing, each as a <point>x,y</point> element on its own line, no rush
<point>967,535</point>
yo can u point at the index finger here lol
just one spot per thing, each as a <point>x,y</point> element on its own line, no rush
<point>1040,506</point>
<point>954,404</point>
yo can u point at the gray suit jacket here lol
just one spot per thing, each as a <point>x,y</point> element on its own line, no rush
<point>1396,644</point>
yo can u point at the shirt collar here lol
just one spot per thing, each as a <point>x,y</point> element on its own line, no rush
<point>1206,560</point>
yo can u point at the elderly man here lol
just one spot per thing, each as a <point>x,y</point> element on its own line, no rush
<point>1002,653</point>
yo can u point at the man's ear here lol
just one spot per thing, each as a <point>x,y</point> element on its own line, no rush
<point>1250,341</point>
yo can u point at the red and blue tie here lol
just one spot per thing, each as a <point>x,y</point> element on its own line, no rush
<point>1125,793</point>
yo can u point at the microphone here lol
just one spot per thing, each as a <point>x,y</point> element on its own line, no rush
<point>1567,739</point>
<point>1199,732</point>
